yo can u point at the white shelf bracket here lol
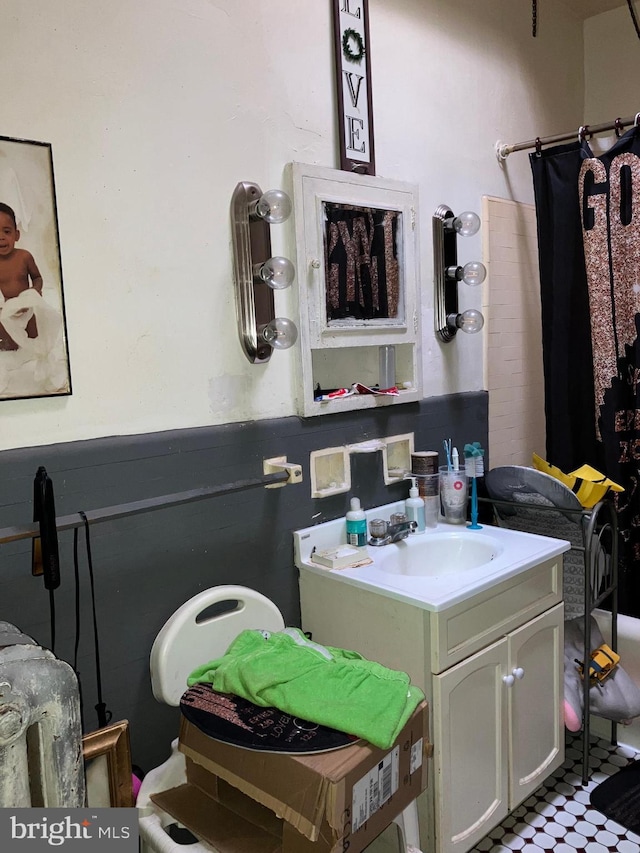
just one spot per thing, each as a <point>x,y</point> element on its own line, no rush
<point>276,464</point>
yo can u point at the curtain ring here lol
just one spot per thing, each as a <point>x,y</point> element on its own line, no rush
<point>584,131</point>
<point>636,120</point>
<point>538,147</point>
<point>618,127</point>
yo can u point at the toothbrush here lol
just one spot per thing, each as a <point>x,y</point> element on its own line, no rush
<point>455,459</point>
<point>474,468</point>
<point>447,450</point>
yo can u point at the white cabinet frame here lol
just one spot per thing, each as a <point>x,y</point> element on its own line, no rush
<point>357,339</point>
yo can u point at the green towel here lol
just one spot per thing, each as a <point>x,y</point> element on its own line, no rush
<point>325,685</point>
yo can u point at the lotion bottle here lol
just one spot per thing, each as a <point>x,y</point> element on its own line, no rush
<point>356,525</point>
<point>414,506</point>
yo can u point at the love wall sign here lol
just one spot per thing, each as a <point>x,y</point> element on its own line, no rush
<point>353,78</point>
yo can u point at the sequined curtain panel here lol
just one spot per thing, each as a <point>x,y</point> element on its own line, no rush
<point>363,274</point>
<point>588,210</point>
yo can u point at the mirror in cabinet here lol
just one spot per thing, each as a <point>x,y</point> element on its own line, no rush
<point>356,244</point>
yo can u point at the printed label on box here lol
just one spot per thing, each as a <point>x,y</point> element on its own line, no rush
<point>374,789</point>
<point>415,759</point>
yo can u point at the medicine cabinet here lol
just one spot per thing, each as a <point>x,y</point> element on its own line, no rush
<point>357,269</point>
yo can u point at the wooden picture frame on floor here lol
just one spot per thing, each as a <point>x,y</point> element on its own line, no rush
<point>107,756</point>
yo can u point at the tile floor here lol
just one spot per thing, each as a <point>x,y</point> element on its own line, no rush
<point>559,816</point>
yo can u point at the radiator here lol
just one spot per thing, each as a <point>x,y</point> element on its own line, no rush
<point>40,726</point>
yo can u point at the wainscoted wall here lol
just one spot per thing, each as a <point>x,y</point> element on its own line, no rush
<point>147,565</point>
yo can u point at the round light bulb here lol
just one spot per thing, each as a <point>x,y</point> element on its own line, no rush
<point>467,223</point>
<point>474,273</point>
<point>280,333</point>
<point>274,206</point>
<point>277,272</point>
<point>470,321</point>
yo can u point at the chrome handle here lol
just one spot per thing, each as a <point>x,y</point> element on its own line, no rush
<point>518,672</point>
<point>508,680</point>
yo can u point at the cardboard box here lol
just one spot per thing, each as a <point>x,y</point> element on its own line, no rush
<point>244,801</point>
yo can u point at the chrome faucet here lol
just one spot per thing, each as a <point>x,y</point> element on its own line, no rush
<point>396,529</point>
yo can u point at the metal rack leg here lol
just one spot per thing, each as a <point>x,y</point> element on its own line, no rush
<point>586,718</point>
<point>585,749</point>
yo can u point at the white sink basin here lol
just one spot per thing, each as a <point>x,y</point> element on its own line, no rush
<point>432,570</point>
<point>433,554</point>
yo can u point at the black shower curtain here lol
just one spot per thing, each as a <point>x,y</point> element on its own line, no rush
<point>588,212</point>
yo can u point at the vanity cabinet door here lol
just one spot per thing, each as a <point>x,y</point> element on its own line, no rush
<point>536,730</point>
<point>470,748</point>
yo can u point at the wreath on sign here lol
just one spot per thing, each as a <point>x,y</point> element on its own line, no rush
<point>349,36</point>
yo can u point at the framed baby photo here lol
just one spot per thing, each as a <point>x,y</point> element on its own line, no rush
<point>34,355</point>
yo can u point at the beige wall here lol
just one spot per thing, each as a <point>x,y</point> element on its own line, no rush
<point>156,109</point>
<point>612,67</point>
<point>513,338</point>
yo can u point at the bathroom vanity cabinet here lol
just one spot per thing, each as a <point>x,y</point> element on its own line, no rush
<point>491,667</point>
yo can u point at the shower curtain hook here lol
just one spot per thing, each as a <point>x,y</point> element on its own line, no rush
<point>582,133</point>
<point>538,147</point>
<point>618,127</point>
<point>636,120</point>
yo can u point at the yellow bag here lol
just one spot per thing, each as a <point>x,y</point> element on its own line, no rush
<point>588,485</point>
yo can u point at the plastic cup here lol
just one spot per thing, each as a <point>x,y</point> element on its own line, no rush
<point>454,494</point>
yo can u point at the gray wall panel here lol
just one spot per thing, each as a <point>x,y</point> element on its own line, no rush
<point>146,566</point>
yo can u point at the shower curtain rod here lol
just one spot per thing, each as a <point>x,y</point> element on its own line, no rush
<point>503,149</point>
<point>110,513</point>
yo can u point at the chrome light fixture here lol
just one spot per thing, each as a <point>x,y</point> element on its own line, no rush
<point>257,274</point>
<point>447,273</point>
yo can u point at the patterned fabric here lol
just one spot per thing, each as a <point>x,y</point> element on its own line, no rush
<point>588,211</point>
<point>609,190</point>
<point>363,274</point>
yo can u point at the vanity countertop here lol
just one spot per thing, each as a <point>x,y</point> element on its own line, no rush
<point>434,570</point>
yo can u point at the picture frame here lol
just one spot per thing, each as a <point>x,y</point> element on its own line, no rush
<point>353,86</point>
<point>107,757</point>
<point>34,354</point>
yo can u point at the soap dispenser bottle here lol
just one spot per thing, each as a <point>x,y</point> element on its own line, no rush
<point>414,507</point>
<point>356,525</point>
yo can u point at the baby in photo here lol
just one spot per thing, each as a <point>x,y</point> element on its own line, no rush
<point>18,272</point>
<point>29,327</point>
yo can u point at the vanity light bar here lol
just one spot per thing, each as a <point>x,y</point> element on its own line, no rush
<point>447,273</point>
<point>257,273</point>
